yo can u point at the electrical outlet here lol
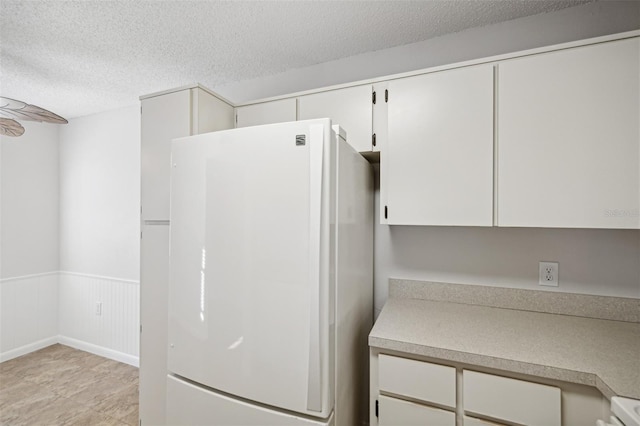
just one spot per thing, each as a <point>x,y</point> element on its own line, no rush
<point>98,308</point>
<point>549,274</point>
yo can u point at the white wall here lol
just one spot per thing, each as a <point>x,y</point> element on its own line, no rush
<point>570,24</point>
<point>100,194</point>
<point>28,240</point>
<point>28,314</point>
<point>601,262</point>
<point>70,202</point>
<point>100,233</point>
<point>29,201</point>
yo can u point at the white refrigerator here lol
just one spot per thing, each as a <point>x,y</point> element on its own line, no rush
<point>271,284</point>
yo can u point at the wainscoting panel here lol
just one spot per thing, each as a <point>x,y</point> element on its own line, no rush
<point>111,330</point>
<point>28,314</point>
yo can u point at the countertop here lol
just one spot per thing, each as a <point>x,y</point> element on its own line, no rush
<point>598,352</point>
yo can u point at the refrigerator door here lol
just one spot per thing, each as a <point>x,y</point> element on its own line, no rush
<point>249,309</point>
<point>188,404</point>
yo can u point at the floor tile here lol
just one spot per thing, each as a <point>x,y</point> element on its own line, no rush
<point>13,365</point>
<point>98,391</point>
<point>50,373</point>
<point>116,368</point>
<point>88,360</point>
<point>52,411</point>
<point>7,379</point>
<point>77,382</point>
<point>61,385</point>
<point>93,418</point>
<point>18,402</point>
<point>22,393</point>
<point>132,419</point>
<point>121,404</point>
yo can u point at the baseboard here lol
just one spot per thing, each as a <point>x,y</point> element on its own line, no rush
<point>31,347</point>
<point>74,343</point>
<point>100,350</point>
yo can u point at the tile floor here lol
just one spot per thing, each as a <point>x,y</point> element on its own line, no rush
<point>59,385</point>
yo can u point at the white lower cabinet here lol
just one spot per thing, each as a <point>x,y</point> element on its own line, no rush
<point>432,383</point>
<point>430,387</point>
<point>397,412</point>
<point>473,421</point>
<point>515,401</point>
<point>406,391</point>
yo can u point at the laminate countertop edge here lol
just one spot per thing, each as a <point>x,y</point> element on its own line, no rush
<point>551,346</point>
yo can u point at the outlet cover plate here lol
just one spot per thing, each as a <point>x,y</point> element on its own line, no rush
<point>548,274</point>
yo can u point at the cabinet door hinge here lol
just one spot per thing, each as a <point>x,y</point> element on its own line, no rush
<point>377,408</point>
<point>386,212</point>
<point>373,97</point>
<point>373,139</point>
<point>140,328</point>
<point>386,95</point>
<point>236,119</point>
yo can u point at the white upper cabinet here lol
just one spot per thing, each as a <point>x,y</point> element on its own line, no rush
<point>437,159</point>
<point>165,117</point>
<point>266,113</point>
<point>569,138</point>
<point>209,113</point>
<point>351,108</point>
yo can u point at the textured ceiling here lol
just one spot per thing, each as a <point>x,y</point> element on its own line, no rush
<point>81,57</point>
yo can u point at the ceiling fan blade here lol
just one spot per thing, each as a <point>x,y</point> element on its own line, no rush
<point>23,111</point>
<point>9,127</point>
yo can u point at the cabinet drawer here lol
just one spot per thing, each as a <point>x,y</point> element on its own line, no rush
<point>512,400</point>
<point>396,412</point>
<point>416,379</point>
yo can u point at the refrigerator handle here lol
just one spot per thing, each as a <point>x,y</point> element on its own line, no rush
<point>314,385</point>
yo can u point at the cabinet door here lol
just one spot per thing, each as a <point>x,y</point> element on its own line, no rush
<point>515,401</point>
<point>350,108</point>
<point>472,421</point>
<point>417,380</point>
<point>163,118</point>
<point>154,286</point>
<point>396,412</point>
<point>266,113</point>
<point>437,164</point>
<point>209,113</point>
<point>569,138</point>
